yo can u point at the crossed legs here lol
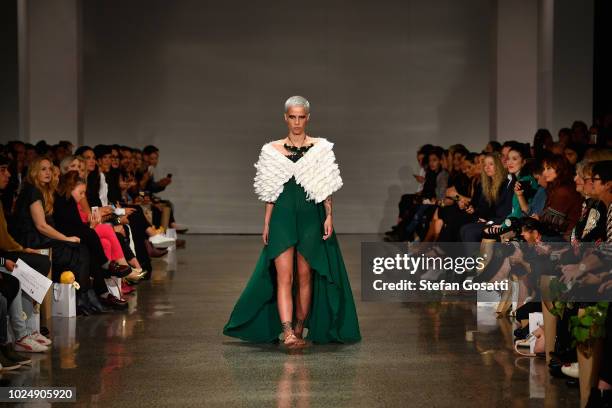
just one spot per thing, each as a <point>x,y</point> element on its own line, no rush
<point>284,274</point>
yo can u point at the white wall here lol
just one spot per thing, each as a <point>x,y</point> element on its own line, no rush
<point>206,83</point>
<point>49,70</point>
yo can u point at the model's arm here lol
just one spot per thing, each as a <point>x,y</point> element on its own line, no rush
<point>266,229</point>
<point>269,208</point>
<point>328,224</point>
<point>328,206</point>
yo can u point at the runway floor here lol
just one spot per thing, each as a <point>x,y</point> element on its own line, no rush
<point>168,350</point>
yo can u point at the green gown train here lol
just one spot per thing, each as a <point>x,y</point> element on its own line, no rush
<point>298,222</point>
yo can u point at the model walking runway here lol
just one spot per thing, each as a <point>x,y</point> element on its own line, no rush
<point>300,280</point>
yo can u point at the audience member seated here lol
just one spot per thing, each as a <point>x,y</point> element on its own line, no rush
<point>27,339</point>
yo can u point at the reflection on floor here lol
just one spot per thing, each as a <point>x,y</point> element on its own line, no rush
<point>168,350</point>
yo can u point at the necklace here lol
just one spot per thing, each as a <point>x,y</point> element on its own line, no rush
<point>293,144</point>
<point>295,151</point>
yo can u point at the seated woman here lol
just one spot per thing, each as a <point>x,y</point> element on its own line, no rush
<point>28,339</point>
<point>495,202</point>
<point>525,186</point>
<point>116,247</point>
<point>115,250</point>
<point>563,202</point>
<point>434,191</point>
<point>35,229</point>
<point>536,206</point>
<point>127,182</point>
<point>139,228</point>
<point>71,190</point>
<point>456,168</point>
<point>452,213</point>
<point>574,153</point>
<point>70,163</point>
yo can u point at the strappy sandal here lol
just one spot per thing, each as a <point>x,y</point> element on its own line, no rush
<point>291,340</point>
<point>299,326</point>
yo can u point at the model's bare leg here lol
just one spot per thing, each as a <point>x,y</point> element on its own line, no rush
<point>304,297</point>
<point>284,279</point>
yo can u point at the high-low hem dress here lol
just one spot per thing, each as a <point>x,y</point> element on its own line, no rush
<point>297,222</point>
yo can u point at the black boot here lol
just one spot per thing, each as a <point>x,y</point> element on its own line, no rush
<point>83,306</point>
<point>95,304</point>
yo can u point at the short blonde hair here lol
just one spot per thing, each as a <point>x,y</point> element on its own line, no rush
<point>297,101</point>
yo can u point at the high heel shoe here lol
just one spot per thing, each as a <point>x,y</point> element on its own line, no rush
<point>141,275</point>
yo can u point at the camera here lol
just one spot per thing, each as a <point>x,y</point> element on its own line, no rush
<point>527,189</point>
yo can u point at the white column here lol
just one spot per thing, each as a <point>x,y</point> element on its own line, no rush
<point>546,17</point>
<point>50,70</point>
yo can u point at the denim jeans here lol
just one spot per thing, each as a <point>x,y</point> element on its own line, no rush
<point>20,322</point>
<point>419,217</point>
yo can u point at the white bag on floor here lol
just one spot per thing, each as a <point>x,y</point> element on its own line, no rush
<point>535,320</point>
<point>114,286</point>
<point>64,331</point>
<point>63,300</point>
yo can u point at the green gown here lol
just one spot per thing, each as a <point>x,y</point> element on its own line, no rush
<point>332,317</point>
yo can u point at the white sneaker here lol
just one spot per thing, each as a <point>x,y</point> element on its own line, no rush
<point>45,341</point>
<point>161,241</point>
<point>29,345</point>
<point>570,370</point>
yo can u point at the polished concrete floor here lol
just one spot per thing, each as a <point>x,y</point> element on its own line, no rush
<point>168,350</point>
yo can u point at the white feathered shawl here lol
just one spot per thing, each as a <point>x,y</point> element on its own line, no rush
<point>316,171</point>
